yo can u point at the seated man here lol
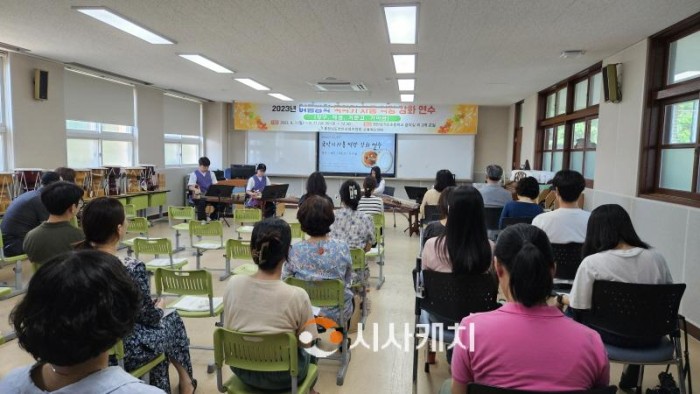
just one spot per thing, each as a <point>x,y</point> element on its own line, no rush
<point>67,174</point>
<point>24,213</point>
<point>567,223</point>
<point>56,235</point>
<point>199,183</point>
<point>493,193</point>
<point>256,184</point>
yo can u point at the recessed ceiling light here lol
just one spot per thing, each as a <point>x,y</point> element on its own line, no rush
<point>406,85</point>
<point>407,98</point>
<point>253,84</point>
<point>105,15</point>
<point>570,54</point>
<point>405,64</point>
<point>280,96</point>
<point>401,23</point>
<point>204,62</point>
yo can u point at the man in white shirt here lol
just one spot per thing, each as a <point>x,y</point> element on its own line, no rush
<point>567,223</point>
<point>198,184</point>
<point>492,192</point>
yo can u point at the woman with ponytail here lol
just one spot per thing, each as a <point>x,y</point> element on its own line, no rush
<point>262,303</point>
<point>370,204</point>
<point>526,344</point>
<point>155,332</point>
<point>350,225</point>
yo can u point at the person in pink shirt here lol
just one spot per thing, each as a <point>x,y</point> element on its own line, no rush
<point>526,344</point>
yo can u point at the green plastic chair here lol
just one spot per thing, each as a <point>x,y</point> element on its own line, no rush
<point>74,221</point>
<point>204,229</point>
<point>324,294</point>
<point>296,231</point>
<point>158,247</point>
<point>258,352</point>
<point>361,283</point>
<point>377,253</point>
<point>238,250</point>
<point>17,262</point>
<point>183,215</point>
<point>246,216</point>
<point>5,291</point>
<point>130,211</point>
<point>195,284</point>
<point>137,226</point>
<point>141,372</point>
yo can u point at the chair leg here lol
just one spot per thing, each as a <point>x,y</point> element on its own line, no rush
<point>380,262</point>
<point>344,361</point>
<point>227,271</point>
<point>18,275</point>
<point>681,376</point>
<point>198,253</point>
<point>178,248</point>
<point>640,379</point>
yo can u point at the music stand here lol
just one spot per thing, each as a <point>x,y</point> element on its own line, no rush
<point>416,193</point>
<point>271,193</point>
<point>219,192</point>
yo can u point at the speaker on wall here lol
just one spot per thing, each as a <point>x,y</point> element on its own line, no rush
<point>41,84</point>
<point>612,88</point>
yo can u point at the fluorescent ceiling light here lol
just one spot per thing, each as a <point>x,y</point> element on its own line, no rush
<point>406,98</point>
<point>405,64</point>
<point>204,62</point>
<point>401,23</point>
<point>407,85</point>
<point>280,96</point>
<point>104,14</point>
<point>182,97</point>
<point>252,84</point>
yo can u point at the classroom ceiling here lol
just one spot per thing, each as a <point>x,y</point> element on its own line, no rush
<point>487,52</point>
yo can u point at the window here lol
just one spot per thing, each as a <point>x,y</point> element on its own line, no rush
<point>3,126</point>
<point>92,144</point>
<point>181,150</point>
<point>670,161</point>
<point>568,125</point>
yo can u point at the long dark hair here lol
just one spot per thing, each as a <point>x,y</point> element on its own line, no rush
<point>525,252</point>
<point>369,185</point>
<point>101,219</point>
<point>316,184</point>
<point>609,225</point>
<point>443,179</point>
<point>377,173</point>
<point>269,243</point>
<point>465,243</point>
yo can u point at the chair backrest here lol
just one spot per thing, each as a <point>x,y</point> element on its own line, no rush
<point>137,225</point>
<point>491,216</point>
<point>130,210</point>
<point>509,221</point>
<point>634,310</point>
<point>247,215</point>
<point>207,229</point>
<point>154,246</point>
<point>568,258</point>
<point>194,282</point>
<point>180,213</point>
<point>542,196</point>
<point>236,250</point>
<point>117,350</point>
<point>296,230</point>
<point>358,259</point>
<point>256,352</point>
<point>378,219</point>
<point>475,388</point>
<point>322,293</point>
<point>389,190</point>
<point>431,213</point>
<point>456,296</point>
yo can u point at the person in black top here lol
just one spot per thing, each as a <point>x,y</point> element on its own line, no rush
<point>316,186</point>
<point>24,214</point>
<point>437,227</point>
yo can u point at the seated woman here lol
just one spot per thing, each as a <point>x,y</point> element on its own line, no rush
<point>370,204</point>
<point>321,257</point>
<point>443,179</point>
<point>526,207</point>
<point>437,227</point>
<point>464,247</point>
<point>613,251</point>
<point>376,173</point>
<point>527,345</point>
<point>350,225</point>
<point>104,224</point>
<point>76,308</point>
<point>262,303</point>
<point>315,186</point>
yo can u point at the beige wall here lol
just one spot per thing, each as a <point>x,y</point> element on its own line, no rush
<point>215,133</point>
<point>491,145</point>
<point>149,115</point>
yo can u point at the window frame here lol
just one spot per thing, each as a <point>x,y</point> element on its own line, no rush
<point>180,140</point>
<point>660,93</point>
<point>4,110</point>
<point>101,136</point>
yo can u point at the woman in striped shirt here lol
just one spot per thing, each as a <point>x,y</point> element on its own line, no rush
<point>369,204</point>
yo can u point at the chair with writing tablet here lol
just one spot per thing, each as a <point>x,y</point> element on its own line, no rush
<point>158,247</point>
<point>361,279</point>
<point>178,219</point>
<point>138,226</point>
<point>17,262</point>
<point>143,371</point>
<point>377,252</point>
<point>211,237</point>
<point>238,250</point>
<point>246,217</point>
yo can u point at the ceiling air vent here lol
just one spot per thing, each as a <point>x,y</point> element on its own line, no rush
<point>337,86</point>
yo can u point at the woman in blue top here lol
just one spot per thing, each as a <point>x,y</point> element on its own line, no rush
<point>526,207</point>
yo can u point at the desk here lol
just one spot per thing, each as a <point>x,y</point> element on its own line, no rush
<point>409,208</point>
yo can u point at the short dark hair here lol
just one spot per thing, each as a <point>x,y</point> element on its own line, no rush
<point>443,201</point>
<point>525,252</point>
<point>369,184</point>
<point>101,219</point>
<point>443,179</point>
<point>204,161</point>
<point>270,242</point>
<point>77,306</point>
<point>316,216</point>
<point>494,172</point>
<point>377,173</point>
<point>569,184</point>
<point>316,184</point>
<point>350,194</point>
<point>609,225</point>
<point>49,177</point>
<point>528,187</point>
<point>59,196</point>
<point>66,174</point>
<point>261,166</point>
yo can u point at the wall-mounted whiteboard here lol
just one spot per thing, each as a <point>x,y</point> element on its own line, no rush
<point>284,153</point>
<point>421,156</point>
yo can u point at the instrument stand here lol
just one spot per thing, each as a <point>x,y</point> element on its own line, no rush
<point>221,213</point>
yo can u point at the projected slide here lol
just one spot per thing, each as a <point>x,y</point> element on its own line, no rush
<point>355,153</point>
